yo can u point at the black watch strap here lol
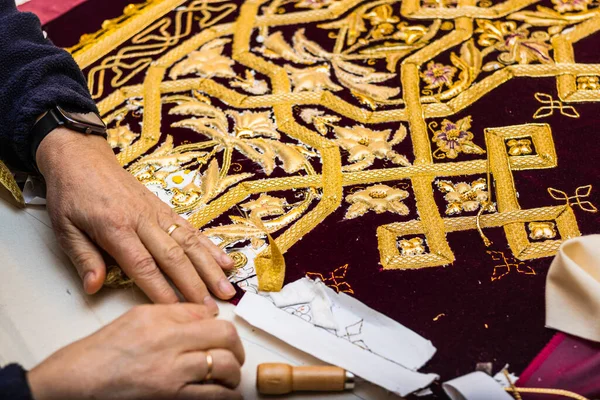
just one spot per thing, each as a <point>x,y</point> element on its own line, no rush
<point>56,118</point>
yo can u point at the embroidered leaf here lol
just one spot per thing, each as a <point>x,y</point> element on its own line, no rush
<point>312,78</point>
<point>472,148</point>
<point>208,61</point>
<point>399,136</point>
<point>210,181</point>
<point>356,210</point>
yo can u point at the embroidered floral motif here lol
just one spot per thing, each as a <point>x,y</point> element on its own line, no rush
<point>519,147</point>
<point>254,134</point>
<point>412,247</point>
<point>515,44</point>
<point>311,78</point>
<point>365,145</point>
<point>463,196</point>
<point>206,62</point>
<point>437,75</point>
<point>265,206</point>
<point>378,198</point>
<point>361,80</point>
<point>250,124</point>
<point>588,83</point>
<point>121,137</point>
<point>455,138</point>
<point>542,230</point>
<point>382,20</point>
<point>563,6</point>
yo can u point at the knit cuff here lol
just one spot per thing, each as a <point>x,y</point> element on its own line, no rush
<point>13,383</point>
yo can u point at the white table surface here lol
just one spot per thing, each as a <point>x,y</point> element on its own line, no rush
<point>43,306</point>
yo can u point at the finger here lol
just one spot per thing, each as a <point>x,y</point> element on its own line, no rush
<point>218,254</point>
<point>174,262</point>
<point>225,369</point>
<point>204,262</point>
<point>212,334</point>
<point>138,264</point>
<point>86,257</point>
<point>220,257</point>
<point>188,312</point>
<point>207,392</point>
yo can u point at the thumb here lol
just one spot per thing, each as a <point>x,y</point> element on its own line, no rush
<point>87,258</point>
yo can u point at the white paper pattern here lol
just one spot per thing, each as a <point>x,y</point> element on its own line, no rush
<point>378,343</point>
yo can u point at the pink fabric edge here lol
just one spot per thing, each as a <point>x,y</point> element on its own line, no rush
<point>49,10</point>
<point>541,357</point>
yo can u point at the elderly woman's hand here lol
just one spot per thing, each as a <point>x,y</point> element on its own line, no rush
<point>156,352</point>
<point>94,203</point>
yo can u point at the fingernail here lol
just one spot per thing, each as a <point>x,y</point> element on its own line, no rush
<point>88,280</point>
<point>211,305</point>
<point>226,288</point>
<point>225,259</point>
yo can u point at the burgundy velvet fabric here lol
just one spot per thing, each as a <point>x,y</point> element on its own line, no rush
<point>567,362</point>
<point>467,316</point>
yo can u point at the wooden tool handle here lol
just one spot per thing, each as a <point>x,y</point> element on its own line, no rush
<point>276,378</point>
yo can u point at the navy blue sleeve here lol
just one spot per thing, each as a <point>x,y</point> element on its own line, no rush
<point>35,76</point>
<point>13,383</point>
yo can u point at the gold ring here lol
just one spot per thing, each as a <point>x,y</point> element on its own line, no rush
<point>172,229</point>
<point>209,364</point>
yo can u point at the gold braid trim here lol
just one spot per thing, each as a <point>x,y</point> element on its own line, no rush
<point>554,392</point>
<point>8,181</point>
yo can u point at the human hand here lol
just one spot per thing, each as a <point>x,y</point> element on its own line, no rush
<point>93,203</point>
<point>153,352</point>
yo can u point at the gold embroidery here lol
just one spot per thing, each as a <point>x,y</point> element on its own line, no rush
<point>519,147</point>
<point>8,181</point>
<point>378,198</point>
<point>365,145</point>
<point>121,137</point>
<point>508,264</point>
<point>414,47</point>
<point>206,62</point>
<point>335,280</point>
<point>463,196</point>
<point>438,75</point>
<point>588,83</point>
<point>454,138</point>
<point>551,105</point>
<point>563,6</point>
<point>580,193</point>
<point>515,43</point>
<point>265,206</point>
<point>541,230</point>
<point>412,247</point>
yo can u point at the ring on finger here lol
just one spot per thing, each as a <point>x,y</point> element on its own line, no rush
<point>209,365</point>
<point>172,229</point>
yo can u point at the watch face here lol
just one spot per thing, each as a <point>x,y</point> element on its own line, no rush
<point>86,119</point>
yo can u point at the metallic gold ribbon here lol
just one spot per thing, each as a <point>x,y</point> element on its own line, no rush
<point>270,270</point>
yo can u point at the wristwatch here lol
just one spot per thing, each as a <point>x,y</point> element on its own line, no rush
<point>85,123</point>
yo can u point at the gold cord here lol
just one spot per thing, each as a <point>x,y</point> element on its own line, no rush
<point>555,392</point>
